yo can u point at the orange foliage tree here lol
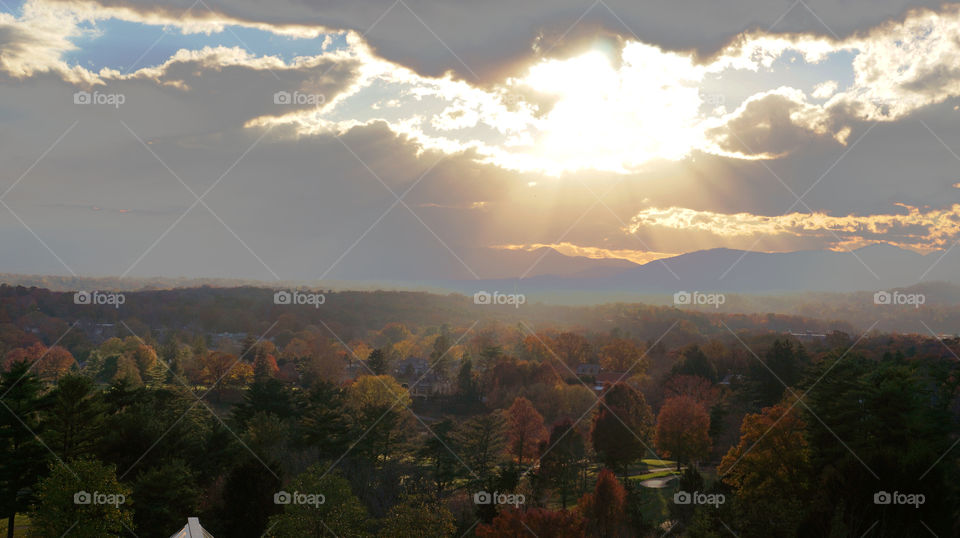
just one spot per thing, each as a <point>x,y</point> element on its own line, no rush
<point>525,428</point>
<point>772,456</point>
<point>683,430</point>
<point>621,355</point>
<point>48,363</point>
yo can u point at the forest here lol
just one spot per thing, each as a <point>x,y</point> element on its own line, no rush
<point>412,415</point>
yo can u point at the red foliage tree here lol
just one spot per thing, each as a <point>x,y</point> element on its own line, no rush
<point>683,429</point>
<point>605,510</point>
<point>697,387</point>
<point>513,523</point>
<point>50,363</point>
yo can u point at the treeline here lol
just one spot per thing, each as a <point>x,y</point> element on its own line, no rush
<point>524,426</point>
<point>352,313</point>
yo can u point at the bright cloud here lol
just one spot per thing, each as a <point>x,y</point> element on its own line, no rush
<point>914,228</point>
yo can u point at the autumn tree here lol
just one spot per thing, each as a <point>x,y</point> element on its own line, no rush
<point>621,355</point>
<point>514,523</point>
<point>221,370</point>
<point>316,357</point>
<point>699,388</point>
<point>127,371</point>
<point>48,363</point>
<point>381,409</point>
<point>770,471</point>
<point>683,430</point>
<point>605,510</point>
<point>622,427</point>
<point>525,428</point>
<point>533,348</point>
<point>560,457</point>
<point>572,348</point>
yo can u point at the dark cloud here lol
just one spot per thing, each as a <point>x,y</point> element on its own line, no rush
<point>772,126</point>
<point>484,41</point>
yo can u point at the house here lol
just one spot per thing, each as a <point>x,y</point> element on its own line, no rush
<point>588,370</point>
<point>606,379</point>
<point>192,530</point>
<point>731,379</point>
<point>429,384</point>
<point>411,367</point>
<point>354,370</point>
<point>805,334</point>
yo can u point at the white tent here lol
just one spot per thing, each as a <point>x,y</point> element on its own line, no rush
<point>192,530</point>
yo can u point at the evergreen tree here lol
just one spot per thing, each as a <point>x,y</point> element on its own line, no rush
<point>377,362</point>
<point>73,415</point>
<point>24,458</point>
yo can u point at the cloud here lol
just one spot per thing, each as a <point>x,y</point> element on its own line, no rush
<point>556,144</point>
<point>772,124</point>
<point>901,67</point>
<point>486,42</point>
<point>824,90</point>
<point>923,230</point>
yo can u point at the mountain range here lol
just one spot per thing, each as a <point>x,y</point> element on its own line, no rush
<point>871,268</point>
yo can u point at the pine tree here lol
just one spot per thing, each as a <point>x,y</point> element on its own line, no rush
<point>24,458</point>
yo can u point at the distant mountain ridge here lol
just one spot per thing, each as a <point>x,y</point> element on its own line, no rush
<point>736,271</point>
<point>545,271</point>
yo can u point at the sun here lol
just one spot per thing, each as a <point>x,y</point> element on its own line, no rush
<point>615,117</point>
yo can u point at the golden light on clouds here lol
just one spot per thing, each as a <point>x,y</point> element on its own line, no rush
<point>915,229</point>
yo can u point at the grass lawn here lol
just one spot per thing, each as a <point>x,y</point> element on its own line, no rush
<point>20,526</point>
<point>659,463</point>
<point>655,474</point>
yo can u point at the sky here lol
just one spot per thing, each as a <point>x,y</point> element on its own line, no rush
<point>419,139</point>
